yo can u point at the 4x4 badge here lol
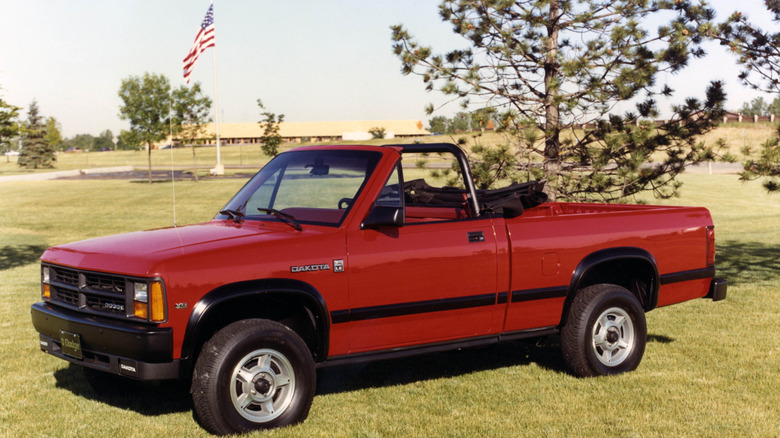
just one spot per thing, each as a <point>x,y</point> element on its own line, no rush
<point>338,265</point>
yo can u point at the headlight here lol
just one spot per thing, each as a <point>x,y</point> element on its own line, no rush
<point>45,280</point>
<point>149,301</point>
<point>141,292</point>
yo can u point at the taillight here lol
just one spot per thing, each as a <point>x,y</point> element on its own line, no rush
<point>710,246</point>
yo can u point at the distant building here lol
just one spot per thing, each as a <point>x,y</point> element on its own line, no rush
<point>316,132</point>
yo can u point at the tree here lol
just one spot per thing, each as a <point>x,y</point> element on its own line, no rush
<point>104,141</point>
<point>36,150</point>
<point>191,109</point>
<point>554,65</point>
<point>9,126</point>
<point>439,125</point>
<point>758,51</point>
<point>377,132</point>
<point>147,106</point>
<point>80,141</point>
<point>271,139</point>
<point>54,134</point>
<point>756,107</point>
<point>774,107</point>
<point>766,165</point>
<point>129,140</point>
<point>461,122</point>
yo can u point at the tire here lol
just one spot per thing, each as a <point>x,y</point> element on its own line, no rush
<point>605,332</point>
<point>253,374</point>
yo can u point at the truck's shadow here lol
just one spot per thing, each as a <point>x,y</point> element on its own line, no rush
<point>152,399</point>
<point>543,352</point>
<point>169,397</point>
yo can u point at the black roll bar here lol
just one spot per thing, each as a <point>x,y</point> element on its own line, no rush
<point>462,161</point>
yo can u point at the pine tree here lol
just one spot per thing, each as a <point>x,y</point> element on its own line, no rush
<point>758,52</point>
<point>36,150</point>
<point>554,71</point>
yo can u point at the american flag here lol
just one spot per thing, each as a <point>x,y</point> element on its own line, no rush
<point>203,41</point>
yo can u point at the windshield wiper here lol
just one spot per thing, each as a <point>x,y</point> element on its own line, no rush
<point>284,217</point>
<point>235,215</point>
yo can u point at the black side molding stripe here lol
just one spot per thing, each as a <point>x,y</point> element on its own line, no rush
<point>695,274</point>
<point>519,296</point>
<point>376,312</point>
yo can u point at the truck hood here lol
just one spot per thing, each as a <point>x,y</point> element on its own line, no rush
<point>141,252</point>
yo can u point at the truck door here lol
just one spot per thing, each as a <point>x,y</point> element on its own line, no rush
<point>432,279</point>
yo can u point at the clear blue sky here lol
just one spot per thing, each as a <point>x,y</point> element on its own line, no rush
<point>310,60</point>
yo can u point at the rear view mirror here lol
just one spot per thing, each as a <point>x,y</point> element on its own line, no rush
<point>383,216</point>
<point>318,168</point>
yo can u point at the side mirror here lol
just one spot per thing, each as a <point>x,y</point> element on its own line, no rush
<point>383,216</point>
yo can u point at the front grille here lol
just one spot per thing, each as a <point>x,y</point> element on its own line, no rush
<point>66,295</point>
<point>65,276</point>
<point>106,304</point>
<point>105,283</point>
<point>91,292</point>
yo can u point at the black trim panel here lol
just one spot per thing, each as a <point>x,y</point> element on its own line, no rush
<point>718,289</point>
<point>134,350</point>
<point>519,296</point>
<point>286,288</point>
<point>502,298</point>
<point>595,260</point>
<point>695,274</point>
<point>413,308</point>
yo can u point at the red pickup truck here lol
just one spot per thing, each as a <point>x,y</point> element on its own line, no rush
<point>329,256</point>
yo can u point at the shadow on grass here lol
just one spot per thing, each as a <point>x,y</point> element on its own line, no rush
<point>161,398</point>
<point>544,352</point>
<point>13,256</point>
<point>661,339</point>
<point>151,399</point>
<point>747,262</point>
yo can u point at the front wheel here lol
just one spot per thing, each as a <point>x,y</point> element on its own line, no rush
<point>605,331</point>
<point>253,374</point>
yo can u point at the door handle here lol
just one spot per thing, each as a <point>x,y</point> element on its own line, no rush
<point>476,236</point>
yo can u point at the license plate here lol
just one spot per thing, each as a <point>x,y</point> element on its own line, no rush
<point>71,344</point>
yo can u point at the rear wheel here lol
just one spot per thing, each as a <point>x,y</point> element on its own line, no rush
<point>605,331</point>
<point>253,374</point>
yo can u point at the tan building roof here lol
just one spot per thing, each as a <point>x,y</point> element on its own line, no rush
<point>290,130</point>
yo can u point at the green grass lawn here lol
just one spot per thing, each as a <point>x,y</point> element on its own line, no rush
<point>709,370</point>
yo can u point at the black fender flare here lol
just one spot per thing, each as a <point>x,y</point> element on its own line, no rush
<point>297,289</point>
<point>598,258</point>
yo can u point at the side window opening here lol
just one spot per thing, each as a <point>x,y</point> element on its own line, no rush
<point>390,195</point>
<point>434,192</point>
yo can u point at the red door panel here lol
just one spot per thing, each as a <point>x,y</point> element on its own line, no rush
<point>421,283</point>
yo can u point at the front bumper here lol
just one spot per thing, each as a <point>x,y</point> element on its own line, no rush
<point>718,289</point>
<point>129,349</point>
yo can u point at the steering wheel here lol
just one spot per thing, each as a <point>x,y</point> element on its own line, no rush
<point>344,203</point>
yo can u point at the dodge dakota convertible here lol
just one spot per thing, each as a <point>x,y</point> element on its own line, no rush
<point>331,255</point>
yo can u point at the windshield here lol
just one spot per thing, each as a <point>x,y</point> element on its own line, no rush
<point>315,187</point>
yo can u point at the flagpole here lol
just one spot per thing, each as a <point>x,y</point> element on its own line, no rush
<point>219,169</point>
